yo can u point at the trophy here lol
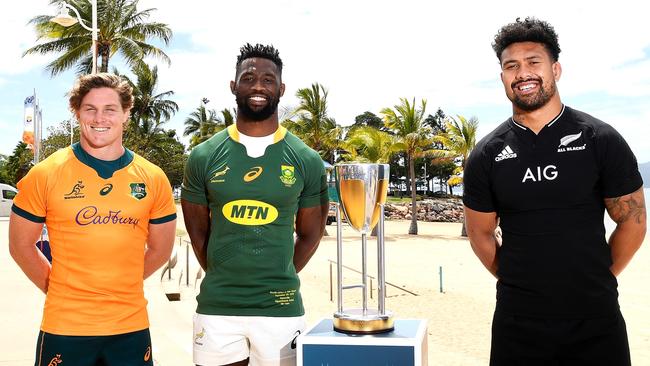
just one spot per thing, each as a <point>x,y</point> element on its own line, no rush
<point>362,190</point>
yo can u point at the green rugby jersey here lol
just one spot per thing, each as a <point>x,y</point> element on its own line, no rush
<point>253,203</point>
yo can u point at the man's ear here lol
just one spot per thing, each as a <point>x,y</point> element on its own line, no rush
<point>232,87</point>
<point>282,89</point>
<point>557,70</point>
<point>127,113</point>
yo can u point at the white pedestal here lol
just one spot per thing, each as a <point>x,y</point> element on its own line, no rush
<point>405,346</point>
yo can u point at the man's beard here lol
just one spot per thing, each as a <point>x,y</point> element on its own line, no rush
<point>256,115</point>
<point>538,100</point>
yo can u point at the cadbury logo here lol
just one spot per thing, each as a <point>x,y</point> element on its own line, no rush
<point>89,216</point>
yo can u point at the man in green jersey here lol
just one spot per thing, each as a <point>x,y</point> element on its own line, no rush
<point>244,191</point>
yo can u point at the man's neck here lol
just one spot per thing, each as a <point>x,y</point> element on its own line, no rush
<point>106,153</point>
<point>537,119</point>
<point>257,128</point>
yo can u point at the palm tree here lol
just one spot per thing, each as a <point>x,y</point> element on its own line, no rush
<point>150,110</point>
<point>370,145</point>
<point>313,125</point>
<point>407,122</point>
<point>203,123</point>
<point>148,104</point>
<point>228,116</point>
<point>460,137</point>
<point>18,163</point>
<point>122,30</point>
<point>459,140</point>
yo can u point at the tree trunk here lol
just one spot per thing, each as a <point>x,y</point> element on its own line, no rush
<point>413,229</point>
<point>104,52</point>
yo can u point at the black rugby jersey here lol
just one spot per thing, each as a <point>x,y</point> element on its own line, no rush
<point>548,190</point>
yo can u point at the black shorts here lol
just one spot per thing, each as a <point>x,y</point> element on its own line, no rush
<point>133,349</point>
<point>525,341</point>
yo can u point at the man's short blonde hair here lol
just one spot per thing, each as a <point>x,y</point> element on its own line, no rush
<point>86,83</point>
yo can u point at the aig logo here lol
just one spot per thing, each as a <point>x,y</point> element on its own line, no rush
<point>539,174</point>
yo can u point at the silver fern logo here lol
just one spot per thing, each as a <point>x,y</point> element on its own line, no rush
<point>566,140</point>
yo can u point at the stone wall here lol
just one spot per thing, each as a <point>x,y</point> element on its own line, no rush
<point>438,210</point>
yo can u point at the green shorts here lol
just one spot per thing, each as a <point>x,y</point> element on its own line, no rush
<point>133,349</point>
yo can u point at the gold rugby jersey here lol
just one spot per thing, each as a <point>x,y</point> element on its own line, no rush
<point>98,215</point>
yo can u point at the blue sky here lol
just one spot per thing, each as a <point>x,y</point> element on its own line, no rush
<point>368,54</point>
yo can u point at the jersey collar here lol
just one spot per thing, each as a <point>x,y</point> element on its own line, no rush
<point>550,124</point>
<point>104,168</point>
<point>277,135</point>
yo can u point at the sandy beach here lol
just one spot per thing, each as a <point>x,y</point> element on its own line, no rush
<point>459,318</point>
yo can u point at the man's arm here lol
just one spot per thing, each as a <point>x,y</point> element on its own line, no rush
<point>197,224</point>
<point>160,243</point>
<point>480,230</point>
<point>629,214</point>
<point>23,235</point>
<point>310,226</point>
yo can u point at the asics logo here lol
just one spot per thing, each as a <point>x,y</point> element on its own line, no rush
<point>293,342</point>
<point>255,172</point>
<point>147,354</point>
<point>506,153</point>
<point>106,189</point>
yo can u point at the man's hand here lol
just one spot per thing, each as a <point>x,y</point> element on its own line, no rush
<point>481,232</point>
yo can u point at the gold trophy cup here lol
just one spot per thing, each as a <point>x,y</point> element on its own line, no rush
<point>362,190</point>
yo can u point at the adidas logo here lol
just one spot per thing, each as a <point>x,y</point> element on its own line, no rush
<point>506,153</point>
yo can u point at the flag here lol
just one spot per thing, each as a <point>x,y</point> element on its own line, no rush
<point>28,131</point>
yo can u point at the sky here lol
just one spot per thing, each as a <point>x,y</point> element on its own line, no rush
<point>367,54</point>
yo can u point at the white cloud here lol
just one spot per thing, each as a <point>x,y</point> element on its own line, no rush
<point>18,36</point>
<point>371,53</point>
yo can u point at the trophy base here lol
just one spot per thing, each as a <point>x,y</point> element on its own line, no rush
<point>353,321</point>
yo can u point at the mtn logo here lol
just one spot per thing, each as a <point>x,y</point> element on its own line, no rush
<point>506,153</point>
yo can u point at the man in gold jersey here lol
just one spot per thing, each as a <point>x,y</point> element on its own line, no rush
<point>111,220</point>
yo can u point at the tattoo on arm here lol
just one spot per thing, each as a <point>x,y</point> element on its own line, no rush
<point>625,208</point>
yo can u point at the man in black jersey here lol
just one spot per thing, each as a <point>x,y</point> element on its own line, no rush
<point>547,174</point>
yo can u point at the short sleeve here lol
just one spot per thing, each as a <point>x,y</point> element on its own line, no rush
<point>619,170</point>
<point>477,193</point>
<point>315,190</point>
<point>164,208</point>
<point>193,187</point>
<point>31,200</point>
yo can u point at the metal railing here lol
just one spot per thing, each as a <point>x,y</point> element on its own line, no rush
<point>333,263</point>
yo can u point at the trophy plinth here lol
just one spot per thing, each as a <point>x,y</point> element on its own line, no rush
<point>362,190</point>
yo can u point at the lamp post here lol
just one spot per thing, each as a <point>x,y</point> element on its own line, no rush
<point>204,102</point>
<point>64,19</point>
